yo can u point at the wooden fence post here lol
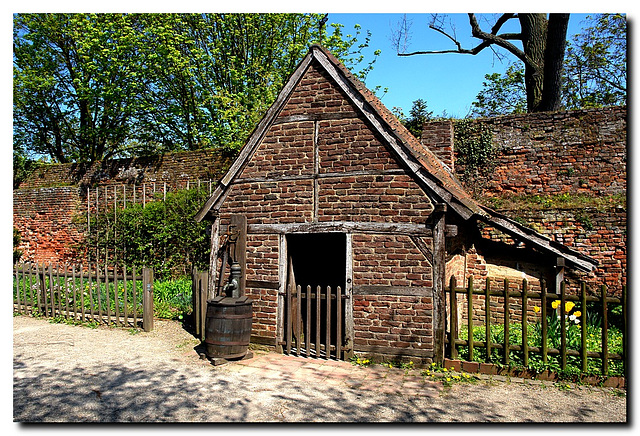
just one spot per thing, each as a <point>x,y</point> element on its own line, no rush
<point>147,299</point>
<point>439,282</point>
<point>202,311</point>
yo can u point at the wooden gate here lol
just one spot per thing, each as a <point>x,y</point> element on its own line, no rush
<point>314,322</point>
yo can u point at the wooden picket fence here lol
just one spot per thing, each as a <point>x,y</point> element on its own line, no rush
<point>113,295</point>
<point>515,307</point>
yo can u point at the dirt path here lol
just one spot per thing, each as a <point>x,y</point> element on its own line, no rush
<point>75,374</point>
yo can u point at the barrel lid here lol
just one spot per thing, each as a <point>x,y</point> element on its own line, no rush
<point>231,301</point>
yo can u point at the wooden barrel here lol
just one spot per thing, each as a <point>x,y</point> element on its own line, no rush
<point>228,327</point>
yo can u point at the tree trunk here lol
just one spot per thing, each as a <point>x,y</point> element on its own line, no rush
<point>534,39</point>
<point>554,61</point>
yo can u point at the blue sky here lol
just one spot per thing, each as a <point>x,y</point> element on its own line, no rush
<point>446,81</point>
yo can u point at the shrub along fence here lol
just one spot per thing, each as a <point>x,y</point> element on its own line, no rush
<point>114,295</point>
<point>539,330</point>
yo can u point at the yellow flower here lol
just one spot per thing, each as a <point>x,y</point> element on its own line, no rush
<point>444,369</point>
<point>536,309</point>
<point>555,304</point>
<point>577,314</point>
<point>568,306</point>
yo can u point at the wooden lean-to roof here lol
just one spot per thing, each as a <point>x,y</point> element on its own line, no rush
<point>428,171</point>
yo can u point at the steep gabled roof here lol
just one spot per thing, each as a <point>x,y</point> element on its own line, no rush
<point>427,169</point>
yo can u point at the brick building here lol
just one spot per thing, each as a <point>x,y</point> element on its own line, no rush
<point>337,193</point>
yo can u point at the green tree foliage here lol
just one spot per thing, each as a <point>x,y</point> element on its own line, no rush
<point>160,234</point>
<point>501,94</point>
<point>418,115</point>
<point>93,86</point>
<point>595,72</point>
<point>596,64</point>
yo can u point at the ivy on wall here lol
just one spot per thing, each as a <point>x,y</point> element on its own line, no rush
<point>473,143</point>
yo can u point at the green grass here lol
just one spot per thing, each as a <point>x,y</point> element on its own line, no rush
<point>172,298</point>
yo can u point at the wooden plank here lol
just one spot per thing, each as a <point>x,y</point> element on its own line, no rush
<point>563,327</point>
<point>204,290</point>
<point>195,298</point>
<point>135,296</point>
<point>318,319</point>
<point>321,116</point>
<point>341,227</point>
<point>339,323</point>
<point>543,317</point>
<point>75,291</point>
<point>298,319</point>
<point>42,293</point>
<point>288,321</point>
<point>147,299</point>
<point>66,290</point>
<point>453,319</point>
<point>107,294</point>
<point>99,293</point>
<point>17,288</point>
<point>424,249</point>
<point>263,284</point>
<point>605,332</point>
<point>30,284</point>
<point>328,325</point>
<point>439,271</point>
<point>524,324</point>
<point>282,279</point>
<point>506,322</point>
<point>52,301</point>
<point>213,259</point>
<point>125,296</point>
<point>348,303</point>
<point>470,318</point>
<point>487,317</point>
<point>82,312</point>
<point>307,331</point>
<point>583,328</point>
<point>115,294</point>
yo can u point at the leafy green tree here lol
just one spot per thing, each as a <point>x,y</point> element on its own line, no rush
<point>501,94</point>
<point>418,115</point>
<point>596,63</point>
<point>93,86</point>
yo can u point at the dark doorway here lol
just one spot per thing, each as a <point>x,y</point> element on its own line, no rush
<point>315,304</point>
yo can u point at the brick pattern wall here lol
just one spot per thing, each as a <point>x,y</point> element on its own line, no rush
<point>46,221</point>
<point>437,136</point>
<point>581,151</point>
<point>401,322</point>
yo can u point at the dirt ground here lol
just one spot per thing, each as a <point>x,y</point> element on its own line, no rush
<point>65,373</point>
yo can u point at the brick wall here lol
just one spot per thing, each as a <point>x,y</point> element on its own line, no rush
<point>575,154</point>
<point>46,219</point>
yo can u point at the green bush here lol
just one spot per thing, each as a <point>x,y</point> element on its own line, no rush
<point>161,235</point>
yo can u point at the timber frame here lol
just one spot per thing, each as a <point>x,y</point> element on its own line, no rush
<point>452,203</point>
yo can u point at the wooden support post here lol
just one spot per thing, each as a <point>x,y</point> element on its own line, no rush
<point>559,268</point>
<point>348,303</point>
<point>202,312</point>
<point>213,259</point>
<point>147,299</point>
<point>439,303</point>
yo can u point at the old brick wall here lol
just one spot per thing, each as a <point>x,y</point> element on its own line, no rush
<point>563,174</point>
<point>48,223</point>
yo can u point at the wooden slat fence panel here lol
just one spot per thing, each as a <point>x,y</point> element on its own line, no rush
<point>515,313</point>
<point>74,292</point>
